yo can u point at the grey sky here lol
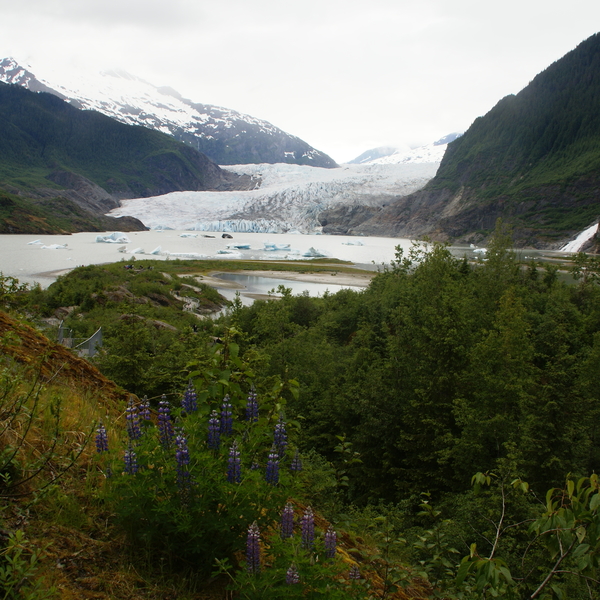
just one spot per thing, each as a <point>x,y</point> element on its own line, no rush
<point>345,76</point>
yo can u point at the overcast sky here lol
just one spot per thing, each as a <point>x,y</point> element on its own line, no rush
<point>344,75</point>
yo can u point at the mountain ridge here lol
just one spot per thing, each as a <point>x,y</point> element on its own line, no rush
<point>224,135</point>
<point>532,160</point>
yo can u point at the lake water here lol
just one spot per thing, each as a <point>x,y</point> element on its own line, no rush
<point>53,255</point>
<point>42,262</point>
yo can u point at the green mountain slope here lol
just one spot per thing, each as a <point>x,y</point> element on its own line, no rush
<point>52,152</point>
<point>533,160</point>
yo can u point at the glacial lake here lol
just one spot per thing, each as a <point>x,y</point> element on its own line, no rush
<point>42,258</point>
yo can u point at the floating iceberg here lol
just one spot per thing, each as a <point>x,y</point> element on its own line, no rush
<point>138,251</point>
<point>357,243</point>
<point>188,235</point>
<point>35,242</point>
<point>156,250</point>
<point>239,246</point>
<point>271,247</point>
<point>56,247</point>
<point>314,253</point>
<point>113,238</point>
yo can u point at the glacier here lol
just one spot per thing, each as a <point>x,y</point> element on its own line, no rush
<point>289,198</point>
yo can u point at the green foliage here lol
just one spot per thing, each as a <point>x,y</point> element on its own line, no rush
<point>203,516</point>
<point>19,564</point>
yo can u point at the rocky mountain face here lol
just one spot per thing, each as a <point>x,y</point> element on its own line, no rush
<point>533,160</point>
<point>227,137</point>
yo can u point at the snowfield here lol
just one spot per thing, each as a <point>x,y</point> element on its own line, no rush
<point>290,197</point>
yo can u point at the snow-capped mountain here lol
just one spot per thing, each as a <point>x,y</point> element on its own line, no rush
<point>290,198</point>
<point>430,153</point>
<point>375,153</point>
<point>225,136</point>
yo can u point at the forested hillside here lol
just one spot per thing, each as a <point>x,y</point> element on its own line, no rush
<point>54,155</point>
<point>532,160</point>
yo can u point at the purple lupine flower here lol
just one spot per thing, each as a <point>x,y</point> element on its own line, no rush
<point>287,521</point>
<point>254,466</point>
<point>354,572</point>
<point>226,417</point>
<point>182,458</point>
<point>292,576</point>
<point>252,407</point>
<point>165,425</point>
<point>234,464</point>
<point>272,473</point>
<point>308,529</point>
<point>133,420</point>
<point>189,402</point>
<point>214,431</point>
<point>131,465</point>
<point>145,409</point>
<point>280,437</point>
<point>330,542</point>
<point>253,549</point>
<point>101,439</point>
<point>296,464</point>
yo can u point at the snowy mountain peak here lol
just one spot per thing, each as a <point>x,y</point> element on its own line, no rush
<point>226,136</point>
<point>390,155</point>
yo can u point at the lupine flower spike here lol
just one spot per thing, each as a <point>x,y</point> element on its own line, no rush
<point>145,409</point>
<point>253,549</point>
<point>165,426</point>
<point>252,407</point>
<point>182,458</point>
<point>133,420</point>
<point>292,576</point>
<point>296,464</point>
<point>226,417</point>
<point>354,573</point>
<point>214,431</point>
<point>308,529</point>
<point>189,402</point>
<point>101,439</point>
<point>131,465</point>
<point>234,465</point>
<point>287,521</point>
<point>330,542</point>
<point>280,437</point>
<point>272,473</point>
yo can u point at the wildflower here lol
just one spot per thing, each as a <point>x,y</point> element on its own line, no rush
<point>330,542</point>
<point>296,464</point>
<point>252,407</point>
<point>189,401</point>
<point>308,529</point>
<point>234,468</point>
<point>133,420</point>
<point>101,439</point>
<point>280,437</point>
<point>145,409</point>
<point>214,431</point>
<point>131,465</point>
<point>292,576</point>
<point>226,417</point>
<point>272,474</point>
<point>165,426</point>
<point>254,466</point>
<point>354,572</point>
<point>287,521</point>
<point>253,549</point>
<point>182,458</point>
